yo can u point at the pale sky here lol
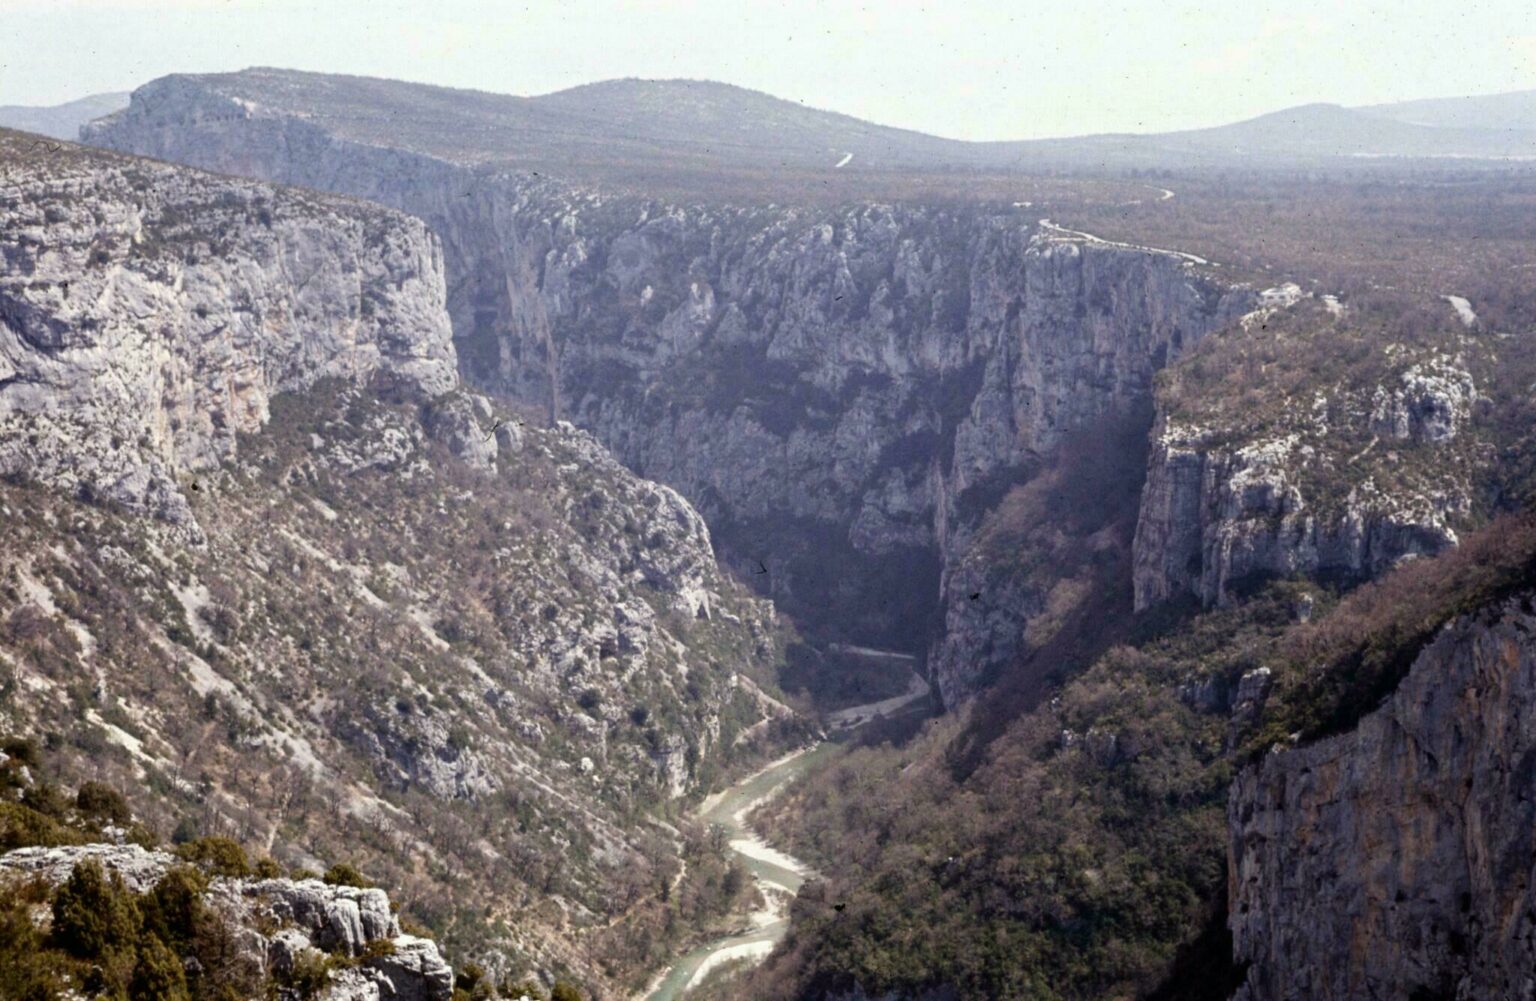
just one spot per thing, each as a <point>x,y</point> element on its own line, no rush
<point>970,69</point>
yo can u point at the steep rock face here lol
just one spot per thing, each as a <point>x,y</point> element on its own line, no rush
<point>841,392</point>
<point>1396,861</point>
<point>1337,478</point>
<point>148,315</point>
<point>1213,517</point>
<point>409,614</point>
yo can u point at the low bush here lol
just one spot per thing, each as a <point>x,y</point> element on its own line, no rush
<point>343,874</point>
<point>217,856</point>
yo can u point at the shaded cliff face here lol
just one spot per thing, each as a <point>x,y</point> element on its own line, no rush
<point>842,393</point>
<point>1395,861</point>
<point>376,616</point>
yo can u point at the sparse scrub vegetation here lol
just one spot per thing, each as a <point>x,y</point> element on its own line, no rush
<point>343,616</point>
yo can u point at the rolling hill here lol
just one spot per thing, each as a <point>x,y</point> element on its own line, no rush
<point>61,121</point>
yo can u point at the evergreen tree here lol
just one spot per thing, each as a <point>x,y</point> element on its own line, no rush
<point>92,915</point>
<point>158,975</point>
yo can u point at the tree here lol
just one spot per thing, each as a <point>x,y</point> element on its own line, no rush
<point>157,975</point>
<point>219,856</point>
<point>26,971</point>
<point>92,915</point>
<point>102,802</point>
<point>342,874</point>
<point>173,908</point>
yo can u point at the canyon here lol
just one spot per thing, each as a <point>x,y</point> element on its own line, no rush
<point>488,489</point>
<point>842,393</point>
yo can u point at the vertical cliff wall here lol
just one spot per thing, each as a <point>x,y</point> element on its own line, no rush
<point>1396,861</point>
<point>843,392</point>
<point>148,315</point>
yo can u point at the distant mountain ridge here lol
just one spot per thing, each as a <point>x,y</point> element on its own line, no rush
<point>1512,111</point>
<point>636,128</point>
<point>619,120</point>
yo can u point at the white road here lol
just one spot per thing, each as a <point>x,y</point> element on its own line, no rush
<point>1062,233</point>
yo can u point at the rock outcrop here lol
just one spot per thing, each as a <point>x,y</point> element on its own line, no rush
<point>275,922</point>
<point>1337,481</point>
<point>1216,517</point>
<point>1396,861</point>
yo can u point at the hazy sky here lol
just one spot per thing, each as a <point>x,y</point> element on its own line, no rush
<point>988,69</point>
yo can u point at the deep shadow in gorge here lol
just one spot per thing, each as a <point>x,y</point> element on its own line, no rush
<point>1088,488</point>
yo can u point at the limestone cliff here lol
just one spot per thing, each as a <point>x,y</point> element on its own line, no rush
<point>1396,861</point>
<point>149,314</point>
<point>1306,449</point>
<point>842,391</point>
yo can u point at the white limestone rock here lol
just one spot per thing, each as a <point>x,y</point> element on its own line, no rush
<point>149,313</point>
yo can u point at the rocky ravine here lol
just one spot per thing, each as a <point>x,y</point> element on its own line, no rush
<point>1396,861</point>
<point>842,393</point>
<point>373,616</point>
<point>847,393</point>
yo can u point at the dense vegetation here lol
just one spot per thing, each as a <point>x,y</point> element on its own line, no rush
<point>1088,845</point>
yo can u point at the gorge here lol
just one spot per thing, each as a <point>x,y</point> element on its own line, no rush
<point>503,493</point>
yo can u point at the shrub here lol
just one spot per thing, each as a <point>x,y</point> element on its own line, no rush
<point>102,802</point>
<point>22,749</point>
<point>172,909</point>
<point>157,975</point>
<point>23,827</point>
<point>94,915</point>
<point>379,948</point>
<point>342,874</point>
<point>267,868</point>
<point>46,799</point>
<point>564,990</point>
<point>472,975</point>
<point>219,856</point>
<point>309,974</point>
<point>521,989</point>
<point>186,830</point>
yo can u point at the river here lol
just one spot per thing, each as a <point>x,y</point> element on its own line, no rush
<point>778,875</point>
